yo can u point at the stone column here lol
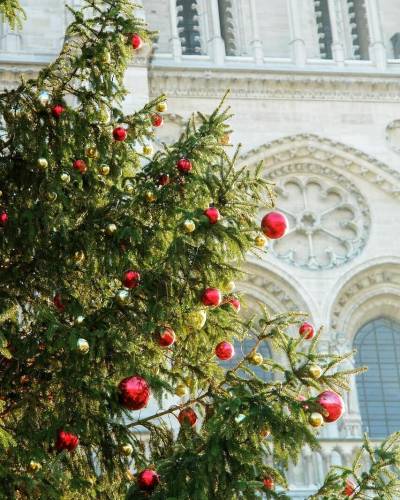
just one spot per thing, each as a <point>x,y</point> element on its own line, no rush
<point>337,39</point>
<point>174,40</point>
<point>377,44</point>
<point>256,42</point>
<point>297,41</point>
<point>216,42</point>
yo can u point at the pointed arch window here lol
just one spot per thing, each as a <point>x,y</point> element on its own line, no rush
<point>188,26</point>
<point>359,31</point>
<point>324,28</point>
<point>378,389</point>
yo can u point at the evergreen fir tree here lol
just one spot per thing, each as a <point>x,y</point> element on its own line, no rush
<point>116,269</point>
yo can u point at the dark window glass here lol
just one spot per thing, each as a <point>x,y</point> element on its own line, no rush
<point>359,28</point>
<point>324,28</point>
<point>188,26</point>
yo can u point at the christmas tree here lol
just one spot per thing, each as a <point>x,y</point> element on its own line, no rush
<point>118,269</point>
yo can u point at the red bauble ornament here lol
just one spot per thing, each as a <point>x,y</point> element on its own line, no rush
<point>134,392</point>
<point>148,479</point>
<point>120,134</point>
<point>80,165</point>
<point>268,483</point>
<point>225,351</point>
<point>332,403</point>
<point>136,41</point>
<point>131,279</point>
<point>66,441</point>
<point>57,110</point>
<point>211,297</point>
<point>3,218</point>
<point>187,415</point>
<point>184,165</point>
<point>235,303</point>
<point>163,180</point>
<point>166,337</point>
<point>349,489</point>
<point>274,225</point>
<point>307,331</point>
<point>212,214</point>
<point>57,301</point>
<point>157,120</point>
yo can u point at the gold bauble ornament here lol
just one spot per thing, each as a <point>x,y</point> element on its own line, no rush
<point>225,140</point>
<point>34,466</point>
<point>316,419</point>
<point>82,346</point>
<point>1,193</point>
<point>129,187</point>
<point>228,287</point>
<point>181,390</point>
<point>91,152</point>
<point>256,359</point>
<point>104,115</point>
<point>197,319</point>
<point>150,196</point>
<point>127,449</point>
<point>104,170</point>
<point>122,297</point>
<point>51,196</point>
<point>111,228</point>
<point>189,226</point>
<point>79,320</point>
<point>315,371</point>
<point>42,163</point>
<point>162,107</point>
<point>106,57</point>
<point>65,177</point>
<point>147,150</point>
<point>261,241</point>
<point>79,257</point>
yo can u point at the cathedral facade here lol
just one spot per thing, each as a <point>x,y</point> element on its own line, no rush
<point>315,92</point>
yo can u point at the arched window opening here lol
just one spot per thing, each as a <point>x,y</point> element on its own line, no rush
<point>378,348</point>
<point>188,26</point>
<point>228,28</point>
<point>323,19</point>
<point>242,349</point>
<point>359,28</point>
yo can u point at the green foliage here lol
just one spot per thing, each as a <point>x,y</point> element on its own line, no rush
<point>11,12</point>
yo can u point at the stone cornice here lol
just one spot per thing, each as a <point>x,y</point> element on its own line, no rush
<point>278,85</point>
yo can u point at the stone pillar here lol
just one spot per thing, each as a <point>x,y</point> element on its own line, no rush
<point>256,42</point>
<point>337,39</point>
<point>377,44</point>
<point>175,41</point>
<point>216,42</point>
<point>297,41</point>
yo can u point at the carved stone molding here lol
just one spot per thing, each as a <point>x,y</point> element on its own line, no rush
<point>261,84</point>
<point>393,135</point>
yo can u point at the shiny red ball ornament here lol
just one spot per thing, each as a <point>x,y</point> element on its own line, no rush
<point>307,331</point>
<point>166,337</point>
<point>211,297</point>
<point>349,489</point>
<point>3,218</point>
<point>157,120</point>
<point>163,180</point>
<point>212,214</point>
<point>131,279</point>
<point>80,165</point>
<point>134,392</point>
<point>120,134</point>
<point>148,479</point>
<point>184,165</point>
<point>235,303</point>
<point>57,301</point>
<point>274,225</point>
<point>268,483</point>
<point>225,351</point>
<point>66,441</point>
<point>57,110</point>
<point>188,416</point>
<point>136,41</point>
<point>332,403</point>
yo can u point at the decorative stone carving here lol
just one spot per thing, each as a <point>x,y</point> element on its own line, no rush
<point>393,135</point>
<point>328,217</point>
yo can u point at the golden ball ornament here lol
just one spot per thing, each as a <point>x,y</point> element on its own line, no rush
<point>181,390</point>
<point>147,150</point>
<point>91,152</point>
<point>79,257</point>
<point>104,115</point>
<point>162,107</point>
<point>197,319</point>
<point>122,297</point>
<point>129,187</point>
<point>256,359</point>
<point>127,449</point>
<point>104,170</point>
<point>65,177</point>
<point>316,419</point>
<point>225,140</point>
<point>51,196</point>
<point>315,371</point>
<point>189,226</point>
<point>111,229</point>
<point>228,287</point>
<point>261,241</point>
<point>42,163</point>
<point>34,466</point>
<point>82,346</point>
<point>150,196</point>
<point>106,57</point>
